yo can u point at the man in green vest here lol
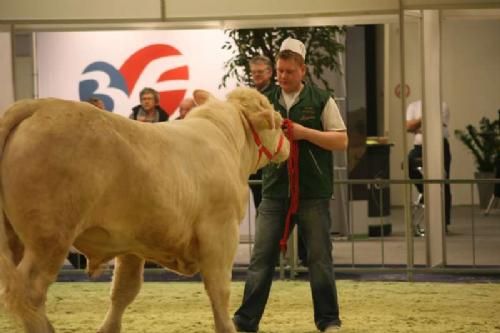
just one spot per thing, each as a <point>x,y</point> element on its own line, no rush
<point>319,130</point>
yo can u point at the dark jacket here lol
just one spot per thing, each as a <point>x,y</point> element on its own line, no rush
<point>162,114</point>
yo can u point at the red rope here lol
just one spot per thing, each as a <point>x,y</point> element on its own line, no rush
<point>293,179</point>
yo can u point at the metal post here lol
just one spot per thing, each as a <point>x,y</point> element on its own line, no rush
<point>251,237</point>
<point>351,226</point>
<point>381,205</point>
<point>473,227</point>
<point>409,234</point>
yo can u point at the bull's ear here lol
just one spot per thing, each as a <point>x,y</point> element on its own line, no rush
<point>201,96</point>
<point>265,120</point>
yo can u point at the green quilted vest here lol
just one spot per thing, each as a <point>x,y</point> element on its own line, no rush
<point>315,163</point>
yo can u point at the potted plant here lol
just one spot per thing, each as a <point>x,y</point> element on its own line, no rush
<point>322,46</point>
<point>484,143</point>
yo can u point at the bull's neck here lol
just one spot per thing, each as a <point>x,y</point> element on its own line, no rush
<point>236,132</point>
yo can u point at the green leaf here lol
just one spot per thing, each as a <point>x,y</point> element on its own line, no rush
<point>484,143</point>
<point>321,43</point>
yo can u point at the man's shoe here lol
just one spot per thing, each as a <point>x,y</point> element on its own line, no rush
<point>239,328</point>
<point>332,328</point>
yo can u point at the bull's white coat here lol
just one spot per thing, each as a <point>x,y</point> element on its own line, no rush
<point>173,193</point>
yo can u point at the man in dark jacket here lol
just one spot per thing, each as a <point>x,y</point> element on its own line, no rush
<point>261,70</point>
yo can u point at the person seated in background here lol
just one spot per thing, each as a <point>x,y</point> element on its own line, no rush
<point>96,101</point>
<point>149,110</point>
<point>414,126</point>
<point>186,105</point>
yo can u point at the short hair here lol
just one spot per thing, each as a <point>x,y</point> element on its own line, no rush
<point>261,59</point>
<point>94,100</point>
<point>151,91</point>
<point>290,55</point>
<point>97,102</point>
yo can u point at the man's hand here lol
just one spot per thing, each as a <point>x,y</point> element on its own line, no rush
<point>329,140</point>
<point>299,131</point>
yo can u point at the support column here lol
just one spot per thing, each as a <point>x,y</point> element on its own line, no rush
<point>6,68</point>
<point>432,135</point>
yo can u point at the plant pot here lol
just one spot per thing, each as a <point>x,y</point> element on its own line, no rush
<point>485,190</point>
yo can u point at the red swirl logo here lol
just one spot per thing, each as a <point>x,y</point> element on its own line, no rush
<point>141,67</point>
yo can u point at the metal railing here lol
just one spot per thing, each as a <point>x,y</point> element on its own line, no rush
<point>386,244</point>
<point>290,266</point>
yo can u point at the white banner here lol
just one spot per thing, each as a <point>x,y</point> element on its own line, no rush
<point>116,65</point>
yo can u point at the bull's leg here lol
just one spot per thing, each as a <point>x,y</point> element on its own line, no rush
<point>15,244</point>
<point>216,264</point>
<point>127,281</point>
<point>217,283</point>
<point>37,270</point>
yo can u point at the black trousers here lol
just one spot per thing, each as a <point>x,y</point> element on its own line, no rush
<point>415,162</point>
<point>256,189</point>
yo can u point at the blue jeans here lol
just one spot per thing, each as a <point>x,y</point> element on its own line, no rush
<point>314,225</point>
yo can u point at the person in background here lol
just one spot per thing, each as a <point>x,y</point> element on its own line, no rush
<point>261,72</point>
<point>149,110</point>
<point>96,101</point>
<point>414,125</point>
<point>186,105</point>
<point>318,129</point>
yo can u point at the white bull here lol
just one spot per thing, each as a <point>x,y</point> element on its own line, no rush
<point>173,193</point>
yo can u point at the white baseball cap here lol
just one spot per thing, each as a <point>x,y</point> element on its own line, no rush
<point>294,45</point>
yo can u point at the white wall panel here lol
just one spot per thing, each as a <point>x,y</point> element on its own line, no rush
<point>231,8</point>
<point>437,4</point>
<point>172,10</point>
<point>78,10</point>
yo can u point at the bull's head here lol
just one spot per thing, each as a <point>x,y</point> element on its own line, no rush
<point>264,122</point>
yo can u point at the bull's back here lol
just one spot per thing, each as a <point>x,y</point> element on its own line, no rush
<point>68,159</point>
<point>128,182</point>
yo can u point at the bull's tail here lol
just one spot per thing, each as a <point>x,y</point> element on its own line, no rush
<point>13,287</point>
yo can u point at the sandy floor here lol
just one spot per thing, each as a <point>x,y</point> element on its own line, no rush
<point>373,307</point>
